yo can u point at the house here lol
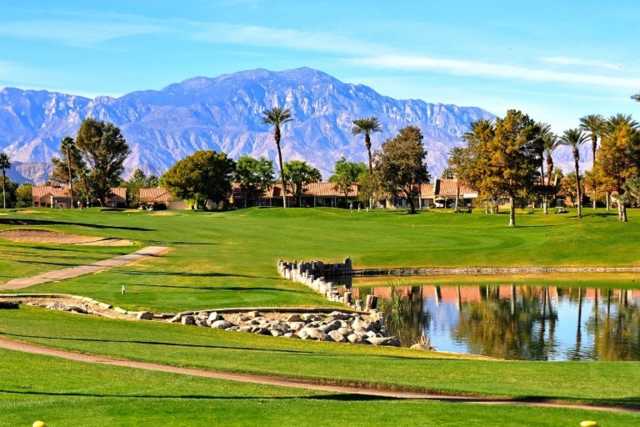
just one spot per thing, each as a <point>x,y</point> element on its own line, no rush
<point>117,198</point>
<point>447,190</point>
<point>159,198</point>
<point>316,194</point>
<point>49,196</point>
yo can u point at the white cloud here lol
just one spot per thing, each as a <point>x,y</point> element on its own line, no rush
<point>580,62</point>
<point>74,32</point>
<point>494,70</point>
<point>286,38</point>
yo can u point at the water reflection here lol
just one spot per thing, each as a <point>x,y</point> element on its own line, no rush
<point>516,322</point>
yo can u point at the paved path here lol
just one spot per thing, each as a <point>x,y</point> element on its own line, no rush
<point>96,267</point>
<point>10,344</point>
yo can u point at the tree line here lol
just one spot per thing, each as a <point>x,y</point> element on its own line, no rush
<point>510,158</point>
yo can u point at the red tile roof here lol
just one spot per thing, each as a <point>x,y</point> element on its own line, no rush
<point>40,191</point>
<point>120,192</point>
<point>155,195</point>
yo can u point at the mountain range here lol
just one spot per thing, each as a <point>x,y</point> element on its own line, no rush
<point>224,114</point>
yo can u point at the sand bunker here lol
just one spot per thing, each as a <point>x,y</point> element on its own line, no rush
<point>54,237</point>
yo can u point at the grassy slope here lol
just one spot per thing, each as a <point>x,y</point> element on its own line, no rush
<point>99,396</point>
<point>203,347</point>
<point>228,259</point>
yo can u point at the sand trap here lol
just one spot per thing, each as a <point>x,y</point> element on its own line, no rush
<point>163,213</point>
<point>54,237</point>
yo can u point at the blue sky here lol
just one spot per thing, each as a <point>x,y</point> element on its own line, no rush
<point>555,60</point>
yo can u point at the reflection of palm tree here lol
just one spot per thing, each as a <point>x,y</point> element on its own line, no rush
<point>504,328</point>
<point>404,317</point>
<point>617,337</point>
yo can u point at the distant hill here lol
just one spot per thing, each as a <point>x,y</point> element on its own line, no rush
<point>223,113</point>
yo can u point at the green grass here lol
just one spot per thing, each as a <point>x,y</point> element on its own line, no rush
<point>94,395</point>
<point>228,259</point>
<point>389,367</point>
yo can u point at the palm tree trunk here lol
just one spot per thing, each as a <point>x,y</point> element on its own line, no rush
<point>594,147</point>
<point>4,193</point>
<point>512,212</point>
<point>284,183</point>
<point>367,143</point>
<point>578,192</point>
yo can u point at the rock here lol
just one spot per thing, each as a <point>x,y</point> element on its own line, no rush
<point>145,315</point>
<point>354,338</point>
<point>294,318</point>
<point>245,328</point>
<point>339,315</point>
<point>344,331</point>
<point>302,334</point>
<point>316,334</point>
<point>175,319</point>
<point>337,336</point>
<point>188,320</point>
<point>308,317</point>
<point>221,324</point>
<point>233,328</point>
<point>296,326</point>
<point>253,314</point>
<point>276,333</point>
<point>383,341</point>
<point>330,326</point>
<point>213,316</point>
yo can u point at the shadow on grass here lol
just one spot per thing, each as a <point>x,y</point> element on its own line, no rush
<point>336,397</point>
<point>223,288</point>
<point>193,274</point>
<point>22,221</point>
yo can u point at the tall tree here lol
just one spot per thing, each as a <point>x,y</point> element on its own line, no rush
<point>502,160</point>
<point>24,198</point>
<point>400,165</point>
<point>204,175</point>
<point>300,174</point>
<point>70,168</point>
<point>367,126</point>
<point>277,117</point>
<point>104,149</point>
<point>254,176</point>
<point>619,158</point>
<point>594,125</point>
<point>574,138</point>
<point>5,164</point>
<point>544,146</point>
<point>346,174</point>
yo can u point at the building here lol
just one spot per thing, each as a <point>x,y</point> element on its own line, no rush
<point>316,194</point>
<point>159,198</point>
<point>49,196</point>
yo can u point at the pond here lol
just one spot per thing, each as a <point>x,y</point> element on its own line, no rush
<point>516,322</point>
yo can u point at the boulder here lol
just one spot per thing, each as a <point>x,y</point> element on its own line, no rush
<point>337,336</point>
<point>330,326</point>
<point>188,320</point>
<point>221,324</point>
<point>296,326</point>
<point>276,333</point>
<point>339,315</point>
<point>383,341</point>
<point>294,318</point>
<point>145,315</point>
<point>354,338</point>
<point>213,316</point>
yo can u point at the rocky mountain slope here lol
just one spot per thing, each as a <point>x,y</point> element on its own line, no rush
<point>224,113</point>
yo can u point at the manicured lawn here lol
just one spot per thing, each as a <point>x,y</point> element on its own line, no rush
<point>66,393</point>
<point>207,348</point>
<point>228,259</point>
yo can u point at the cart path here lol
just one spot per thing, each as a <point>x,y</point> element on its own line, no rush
<point>9,344</point>
<point>96,267</point>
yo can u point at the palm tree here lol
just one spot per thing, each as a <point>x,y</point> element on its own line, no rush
<point>367,126</point>
<point>277,117</point>
<point>4,165</point>
<point>574,138</point>
<point>549,142</point>
<point>594,125</point>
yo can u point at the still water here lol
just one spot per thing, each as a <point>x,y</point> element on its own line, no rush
<point>516,322</point>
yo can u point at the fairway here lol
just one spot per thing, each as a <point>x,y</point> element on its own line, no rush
<point>229,259</point>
